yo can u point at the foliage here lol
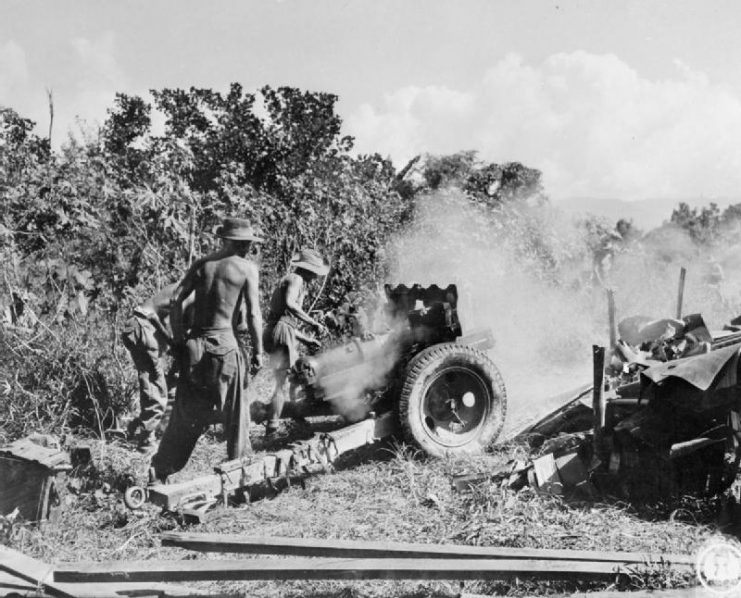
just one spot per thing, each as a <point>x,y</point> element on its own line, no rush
<point>701,223</point>
<point>93,228</point>
<point>488,183</point>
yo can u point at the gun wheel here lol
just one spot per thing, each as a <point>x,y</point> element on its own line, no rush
<point>453,400</point>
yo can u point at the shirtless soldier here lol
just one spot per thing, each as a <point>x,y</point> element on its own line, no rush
<point>213,376</point>
<point>147,338</point>
<point>282,334</point>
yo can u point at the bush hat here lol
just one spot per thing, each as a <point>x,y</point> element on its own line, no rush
<point>239,229</point>
<point>308,259</point>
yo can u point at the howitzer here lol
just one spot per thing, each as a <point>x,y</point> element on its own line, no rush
<point>448,395</point>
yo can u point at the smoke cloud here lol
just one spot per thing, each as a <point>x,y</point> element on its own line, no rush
<point>528,274</point>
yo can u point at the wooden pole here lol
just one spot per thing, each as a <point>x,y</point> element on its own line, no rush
<point>598,398</point>
<point>611,317</point>
<point>680,291</point>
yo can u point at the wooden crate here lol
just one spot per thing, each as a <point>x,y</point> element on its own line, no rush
<point>29,478</point>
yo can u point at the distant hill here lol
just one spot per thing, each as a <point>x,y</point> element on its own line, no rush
<point>645,213</point>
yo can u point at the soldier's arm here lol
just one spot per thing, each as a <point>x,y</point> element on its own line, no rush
<point>161,304</point>
<point>293,292</point>
<point>253,312</point>
<point>183,292</point>
<point>306,339</point>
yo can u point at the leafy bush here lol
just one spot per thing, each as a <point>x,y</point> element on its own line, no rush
<point>90,230</point>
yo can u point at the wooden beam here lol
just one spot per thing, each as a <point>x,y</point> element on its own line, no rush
<point>346,569</point>
<point>238,543</point>
<point>681,449</point>
<point>31,570</point>
<point>598,399</point>
<point>29,574</point>
<point>611,318</point>
<point>680,291</point>
<point>695,592</point>
<point>304,457</point>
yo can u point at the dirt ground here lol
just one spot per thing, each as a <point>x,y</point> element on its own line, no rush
<point>387,492</point>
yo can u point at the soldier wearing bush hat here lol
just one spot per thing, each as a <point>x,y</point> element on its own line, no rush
<point>282,333</point>
<point>147,337</point>
<point>213,376</point>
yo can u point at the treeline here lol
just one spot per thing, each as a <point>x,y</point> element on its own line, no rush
<point>91,229</point>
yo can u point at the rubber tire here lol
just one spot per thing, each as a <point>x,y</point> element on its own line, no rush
<point>135,497</point>
<point>424,367</point>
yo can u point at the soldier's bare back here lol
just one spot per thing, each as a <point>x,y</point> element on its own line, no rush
<point>220,286</point>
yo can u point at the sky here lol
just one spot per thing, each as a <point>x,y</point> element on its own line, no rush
<point>614,99</point>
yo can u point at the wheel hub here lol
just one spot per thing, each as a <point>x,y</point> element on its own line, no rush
<point>456,403</point>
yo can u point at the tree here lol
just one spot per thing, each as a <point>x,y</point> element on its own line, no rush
<point>128,121</point>
<point>701,224</point>
<point>489,183</point>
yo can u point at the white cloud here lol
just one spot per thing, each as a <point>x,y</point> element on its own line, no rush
<point>97,61</point>
<point>405,125</point>
<point>591,123</point>
<point>98,78</point>
<point>13,70</point>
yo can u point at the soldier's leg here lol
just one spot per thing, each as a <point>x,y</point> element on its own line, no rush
<point>233,390</point>
<point>279,397</point>
<point>154,401</point>
<point>131,337</point>
<point>190,417</point>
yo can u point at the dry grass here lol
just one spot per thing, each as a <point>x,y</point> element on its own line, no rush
<point>382,493</point>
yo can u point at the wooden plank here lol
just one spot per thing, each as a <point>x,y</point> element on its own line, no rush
<point>696,592</point>
<point>681,449</point>
<point>321,449</point>
<point>168,496</point>
<point>347,569</point>
<point>239,543</point>
<point>140,589</point>
<point>546,475</point>
<point>22,573</point>
<point>11,582</point>
<point>31,570</point>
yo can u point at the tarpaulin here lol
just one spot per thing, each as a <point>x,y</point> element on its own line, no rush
<point>700,370</point>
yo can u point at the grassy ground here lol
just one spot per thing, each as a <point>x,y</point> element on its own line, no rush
<point>384,493</point>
